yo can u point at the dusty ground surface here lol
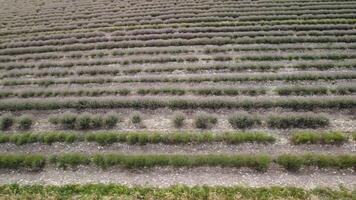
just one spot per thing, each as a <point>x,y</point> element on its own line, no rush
<point>213,148</point>
<point>163,177</point>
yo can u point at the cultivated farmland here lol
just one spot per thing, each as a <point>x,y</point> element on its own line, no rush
<point>233,99</point>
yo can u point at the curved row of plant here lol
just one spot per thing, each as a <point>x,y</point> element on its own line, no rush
<point>90,67</point>
<point>187,16</point>
<point>46,57</point>
<point>206,91</point>
<point>157,25</point>
<point>295,103</point>
<point>179,42</point>
<point>299,76</point>
<point>175,138</point>
<point>174,35</point>
<point>166,9</point>
<point>188,58</point>
<point>175,50</point>
<point>189,29</point>
<point>259,162</point>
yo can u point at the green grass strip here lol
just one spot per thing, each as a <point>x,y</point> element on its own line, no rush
<point>113,191</point>
<point>141,138</point>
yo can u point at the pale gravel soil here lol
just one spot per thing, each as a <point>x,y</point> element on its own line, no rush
<point>212,148</point>
<point>166,176</point>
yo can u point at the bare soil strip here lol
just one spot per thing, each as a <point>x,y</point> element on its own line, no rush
<point>163,177</point>
<point>213,148</point>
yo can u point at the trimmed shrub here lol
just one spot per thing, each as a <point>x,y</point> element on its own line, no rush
<point>106,138</point>
<point>136,118</point>
<point>204,121</point>
<point>96,121</point>
<point>290,162</point>
<point>318,138</point>
<point>110,120</point>
<point>83,121</point>
<point>6,121</point>
<point>257,162</point>
<point>66,120</point>
<point>178,120</point>
<point>237,138</point>
<point>295,162</point>
<point>16,161</point>
<point>25,122</point>
<point>243,121</point>
<point>69,160</point>
<point>297,121</point>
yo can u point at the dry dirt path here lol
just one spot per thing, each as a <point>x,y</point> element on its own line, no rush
<point>213,148</point>
<point>163,177</point>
